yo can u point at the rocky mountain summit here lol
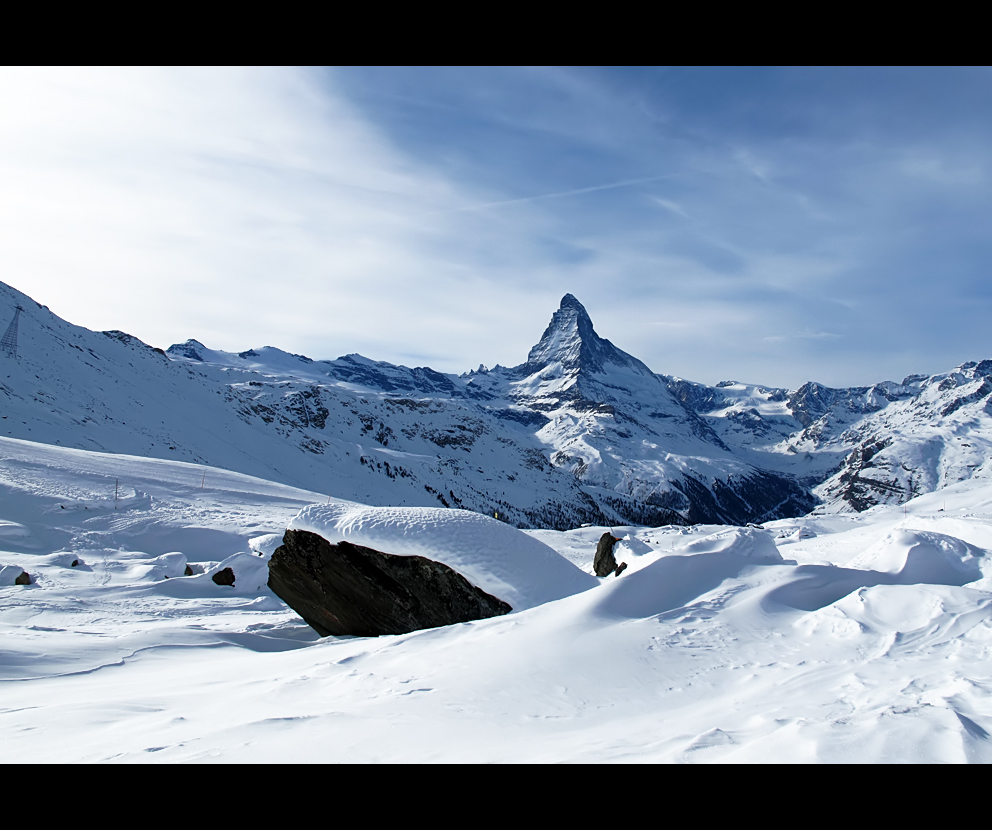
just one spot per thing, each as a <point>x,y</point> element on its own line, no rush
<point>580,432</point>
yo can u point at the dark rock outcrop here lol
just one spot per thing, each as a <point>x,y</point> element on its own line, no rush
<point>604,564</point>
<point>24,578</point>
<point>346,589</point>
<point>224,577</point>
<point>191,349</point>
<point>188,571</point>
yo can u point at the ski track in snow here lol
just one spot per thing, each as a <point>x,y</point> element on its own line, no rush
<point>831,638</point>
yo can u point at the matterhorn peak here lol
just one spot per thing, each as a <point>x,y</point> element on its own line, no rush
<point>571,340</point>
<point>570,301</point>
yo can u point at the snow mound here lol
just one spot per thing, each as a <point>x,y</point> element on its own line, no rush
<point>265,545</point>
<point>251,573</point>
<point>12,530</point>
<point>8,573</point>
<point>169,565</point>
<point>630,545</point>
<point>798,535</point>
<point>919,556</point>
<point>137,567</point>
<point>681,578</point>
<point>750,542</point>
<point>492,555</point>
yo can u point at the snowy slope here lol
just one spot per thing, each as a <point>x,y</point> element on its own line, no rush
<point>579,433</point>
<point>940,436</point>
<point>853,638</point>
<point>861,446</point>
<point>279,416</point>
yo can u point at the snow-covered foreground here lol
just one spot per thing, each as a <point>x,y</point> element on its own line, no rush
<point>841,638</point>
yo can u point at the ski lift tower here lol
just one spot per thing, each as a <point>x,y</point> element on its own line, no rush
<point>9,343</point>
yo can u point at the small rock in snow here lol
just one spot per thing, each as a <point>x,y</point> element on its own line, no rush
<point>224,577</point>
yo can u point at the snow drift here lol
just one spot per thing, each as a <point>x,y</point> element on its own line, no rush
<point>923,556</point>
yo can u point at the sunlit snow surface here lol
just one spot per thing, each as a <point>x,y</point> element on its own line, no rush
<point>833,638</point>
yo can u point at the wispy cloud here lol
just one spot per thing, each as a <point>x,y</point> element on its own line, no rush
<point>774,224</point>
<point>944,171</point>
<point>576,192</point>
<point>242,207</point>
<point>671,207</point>
<point>813,335</point>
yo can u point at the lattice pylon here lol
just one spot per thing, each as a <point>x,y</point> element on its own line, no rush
<point>9,342</point>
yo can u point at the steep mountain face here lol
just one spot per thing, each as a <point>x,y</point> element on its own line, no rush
<point>615,426</point>
<point>571,341</point>
<point>580,432</point>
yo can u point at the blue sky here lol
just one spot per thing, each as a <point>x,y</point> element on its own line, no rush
<point>768,225</point>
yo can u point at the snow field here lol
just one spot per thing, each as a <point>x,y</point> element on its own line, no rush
<point>865,638</point>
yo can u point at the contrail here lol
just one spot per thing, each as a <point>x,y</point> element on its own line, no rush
<point>625,183</point>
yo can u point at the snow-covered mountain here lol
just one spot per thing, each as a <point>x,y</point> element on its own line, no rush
<point>581,432</point>
<point>616,427</point>
<point>862,446</point>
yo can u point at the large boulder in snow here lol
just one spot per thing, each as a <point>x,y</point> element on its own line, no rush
<point>496,557</point>
<point>347,589</point>
<point>604,562</point>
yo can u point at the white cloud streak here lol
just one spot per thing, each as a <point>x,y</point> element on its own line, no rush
<point>242,207</point>
<point>814,335</point>
<point>577,192</point>
<point>284,207</point>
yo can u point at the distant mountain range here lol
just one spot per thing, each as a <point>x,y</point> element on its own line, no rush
<point>581,432</point>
